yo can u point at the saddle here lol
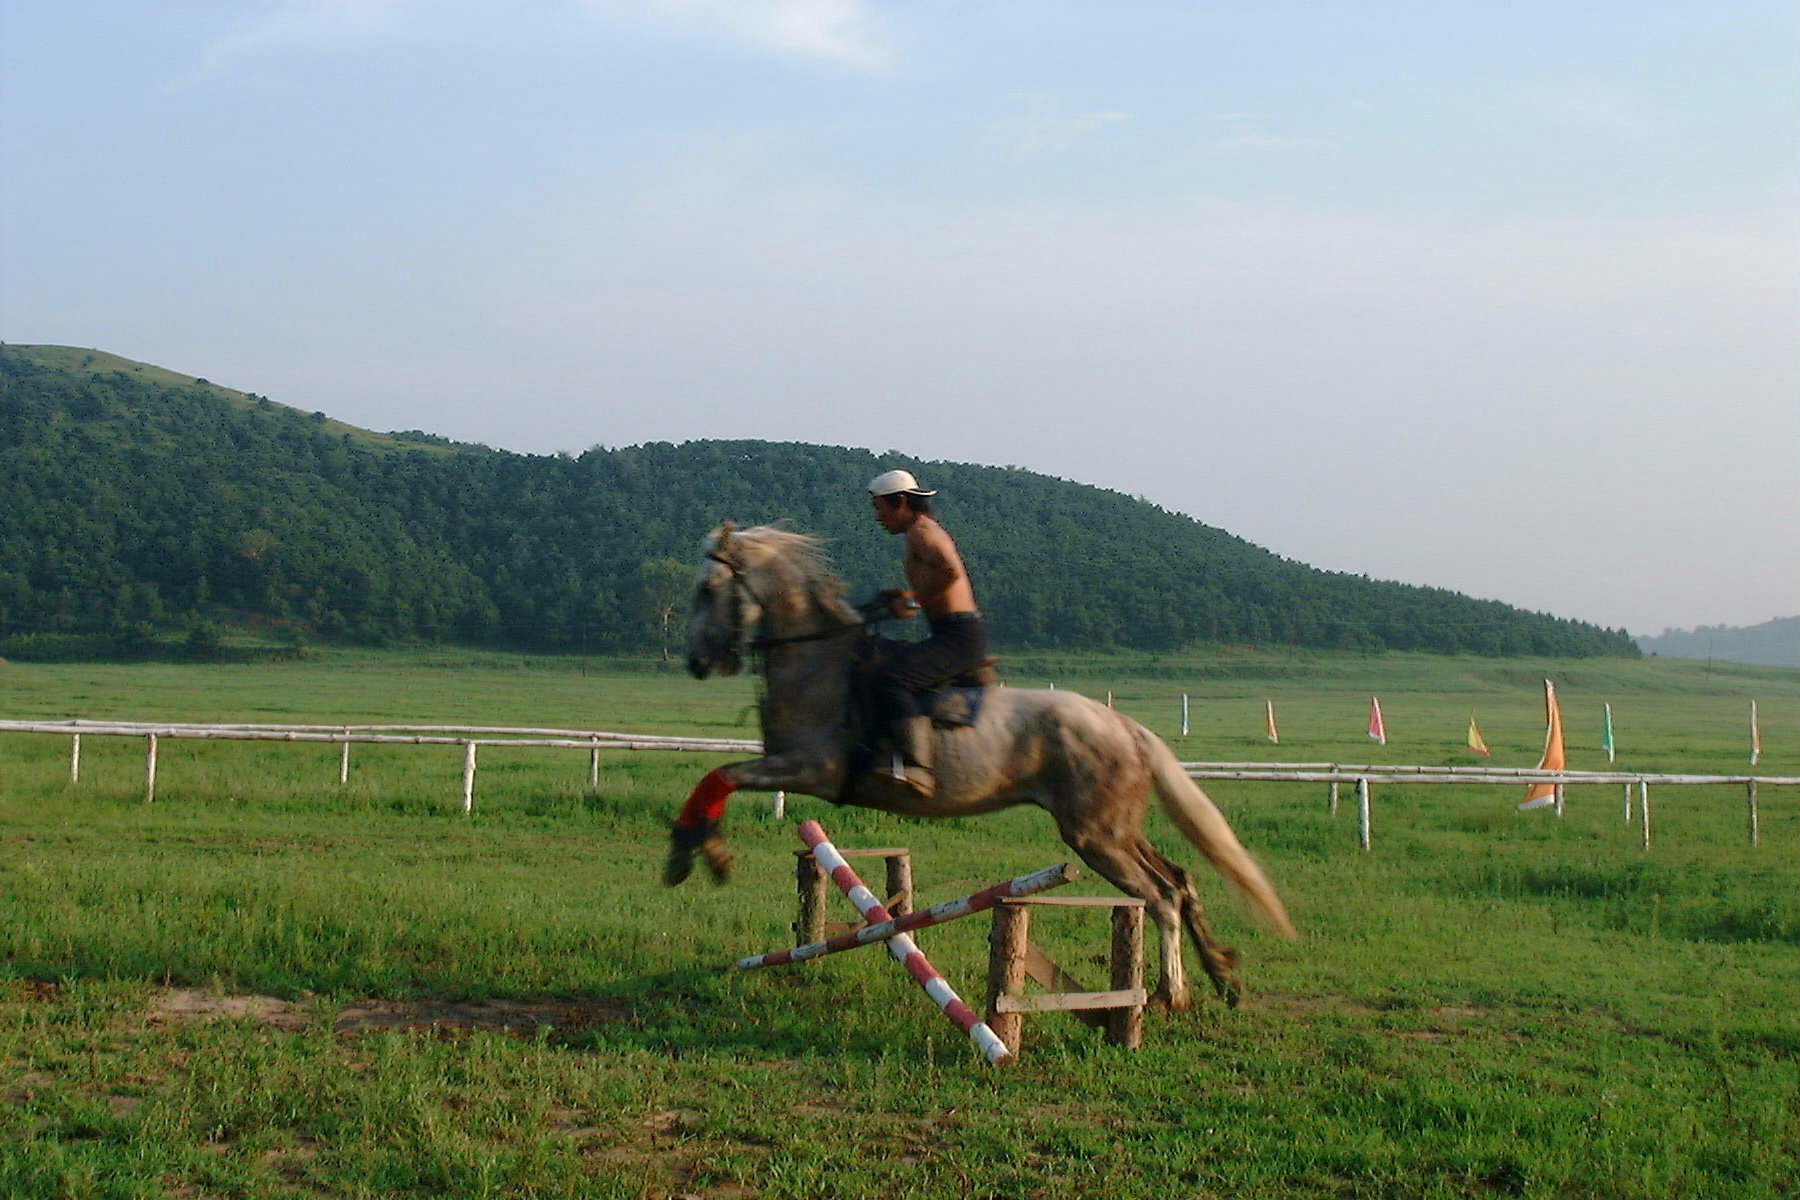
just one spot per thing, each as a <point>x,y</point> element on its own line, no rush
<point>952,702</point>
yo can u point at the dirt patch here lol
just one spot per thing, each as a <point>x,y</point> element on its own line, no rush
<point>183,1005</point>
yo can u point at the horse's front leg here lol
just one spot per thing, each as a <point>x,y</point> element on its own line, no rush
<point>696,829</point>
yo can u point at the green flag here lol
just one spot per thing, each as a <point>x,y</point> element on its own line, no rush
<point>1606,742</point>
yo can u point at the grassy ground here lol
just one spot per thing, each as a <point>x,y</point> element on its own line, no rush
<point>265,984</point>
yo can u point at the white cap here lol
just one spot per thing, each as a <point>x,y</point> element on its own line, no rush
<point>890,482</point>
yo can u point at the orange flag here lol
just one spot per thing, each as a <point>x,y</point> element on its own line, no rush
<point>1540,794</point>
<point>1269,722</point>
<point>1475,742</point>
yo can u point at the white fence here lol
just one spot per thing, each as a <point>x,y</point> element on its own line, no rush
<point>472,737</point>
<point>1362,775</point>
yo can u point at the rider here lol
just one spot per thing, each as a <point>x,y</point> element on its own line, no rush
<point>958,641</point>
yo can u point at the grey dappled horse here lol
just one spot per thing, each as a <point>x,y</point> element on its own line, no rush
<point>1091,768</point>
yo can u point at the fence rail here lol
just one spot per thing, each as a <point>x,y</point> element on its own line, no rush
<point>474,737</point>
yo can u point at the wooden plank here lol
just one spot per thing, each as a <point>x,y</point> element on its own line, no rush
<point>1047,974</point>
<point>1069,1001</point>
<point>1080,901</point>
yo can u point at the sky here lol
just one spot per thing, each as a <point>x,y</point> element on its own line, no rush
<point>1496,298</point>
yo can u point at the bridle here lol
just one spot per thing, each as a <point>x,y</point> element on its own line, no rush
<point>740,587</point>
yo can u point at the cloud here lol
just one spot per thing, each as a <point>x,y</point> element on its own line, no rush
<point>843,33</point>
<point>1591,107</point>
<point>312,23</point>
<point>1041,129</point>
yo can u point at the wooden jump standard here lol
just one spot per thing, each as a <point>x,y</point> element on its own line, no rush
<point>901,946</point>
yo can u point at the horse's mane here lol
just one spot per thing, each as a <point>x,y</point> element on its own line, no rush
<point>801,556</point>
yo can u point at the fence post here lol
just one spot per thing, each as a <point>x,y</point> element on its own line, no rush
<point>75,758</point>
<point>1362,812</point>
<point>594,765</point>
<point>1628,804</point>
<point>778,806</point>
<point>1750,802</point>
<point>344,760</point>
<point>150,768</point>
<point>1558,793</point>
<point>468,795</point>
<point>1184,714</point>
<point>1644,809</point>
<point>1334,792</point>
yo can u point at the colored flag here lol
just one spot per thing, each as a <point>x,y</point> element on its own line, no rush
<point>1269,722</point>
<point>1540,794</point>
<point>1377,730</point>
<point>1755,736</point>
<point>1475,742</point>
<point>1606,738</point>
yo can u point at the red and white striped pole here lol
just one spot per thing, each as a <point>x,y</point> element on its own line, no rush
<point>901,945</point>
<point>937,914</point>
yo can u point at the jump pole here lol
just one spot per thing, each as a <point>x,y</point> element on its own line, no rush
<point>901,945</point>
<point>937,914</point>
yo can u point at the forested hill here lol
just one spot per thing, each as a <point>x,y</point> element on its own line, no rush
<point>138,500</point>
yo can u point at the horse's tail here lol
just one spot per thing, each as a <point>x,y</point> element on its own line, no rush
<point>1204,825</point>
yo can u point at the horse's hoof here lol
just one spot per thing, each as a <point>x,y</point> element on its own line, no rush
<point>677,869</point>
<point>718,859</point>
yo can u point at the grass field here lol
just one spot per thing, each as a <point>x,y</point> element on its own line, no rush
<point>265,984</point>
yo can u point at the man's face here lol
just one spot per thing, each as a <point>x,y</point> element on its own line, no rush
<point>891,517</point>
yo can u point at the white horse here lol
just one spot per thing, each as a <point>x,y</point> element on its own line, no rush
<point>1091,768</point>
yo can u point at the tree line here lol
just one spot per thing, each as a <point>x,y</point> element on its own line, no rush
<point>136,508</point>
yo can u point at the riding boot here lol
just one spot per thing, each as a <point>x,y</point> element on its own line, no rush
<point>914,746</point>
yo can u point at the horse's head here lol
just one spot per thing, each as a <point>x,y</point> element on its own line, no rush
<point>725,607</point>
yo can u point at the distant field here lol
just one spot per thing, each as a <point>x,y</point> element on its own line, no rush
<point>265,984</point>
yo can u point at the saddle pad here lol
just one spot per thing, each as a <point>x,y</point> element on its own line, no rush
<point>951,707</point>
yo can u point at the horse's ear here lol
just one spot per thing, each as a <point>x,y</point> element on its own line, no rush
<point>724,538</point>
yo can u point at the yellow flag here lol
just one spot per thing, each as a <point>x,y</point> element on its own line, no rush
<point>1475,742</point>
<point>1540,794</point>
<point>1269,722</point>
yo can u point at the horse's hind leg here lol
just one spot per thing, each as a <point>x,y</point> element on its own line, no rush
<point>1127,867</point>
<point>1219,961</point>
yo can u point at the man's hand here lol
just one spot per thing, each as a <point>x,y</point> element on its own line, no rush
<point>901,603</point>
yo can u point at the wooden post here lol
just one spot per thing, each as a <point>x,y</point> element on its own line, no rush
<point>1334,793</point>
<point>1644,809</point>
<point>1557,791</point>
<point>1628,804</point>
<point>778,806</point>
<point>344,760</point>
<point>1006,969</point>
<point>1125,1026</point>
<point>1362,812</point>
<point>1750,803</point>
<point>1184,714</point>
<point>150,768</point>
<point>899,884</point>
<point>75,758</point>
<point>468,795</point>
<point>809,879</point>
<point>594,765</point>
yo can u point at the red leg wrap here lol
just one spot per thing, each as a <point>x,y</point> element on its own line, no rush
<point>707,803</point>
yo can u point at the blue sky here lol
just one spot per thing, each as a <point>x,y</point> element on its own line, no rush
<point>1495,298</point>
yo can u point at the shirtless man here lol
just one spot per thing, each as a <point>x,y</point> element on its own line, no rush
<point>958,641</point>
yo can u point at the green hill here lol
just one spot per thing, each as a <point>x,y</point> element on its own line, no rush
<point>141,499</point>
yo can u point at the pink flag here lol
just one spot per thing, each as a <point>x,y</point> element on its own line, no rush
<point>1376,729</point>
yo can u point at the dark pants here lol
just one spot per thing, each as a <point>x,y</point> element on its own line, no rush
<point>957,643</point>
